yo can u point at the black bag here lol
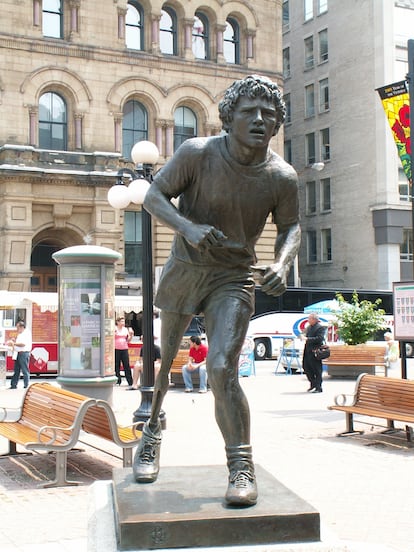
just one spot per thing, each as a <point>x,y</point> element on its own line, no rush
<point>322,352</point>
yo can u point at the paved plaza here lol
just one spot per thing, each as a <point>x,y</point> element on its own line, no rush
<point>363,486</point>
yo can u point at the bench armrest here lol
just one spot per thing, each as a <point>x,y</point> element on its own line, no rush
<point>344,399</point>
<point>50,433</point>
<point>10,414</point>
<point>137,426</point>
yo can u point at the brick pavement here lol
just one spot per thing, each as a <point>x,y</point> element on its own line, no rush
<point>362,486</point>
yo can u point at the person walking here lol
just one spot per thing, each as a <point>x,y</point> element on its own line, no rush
<point>21,346</point>
<point>123,336</point>
<point>196,361</point>
<point>227,186</point>
<point>314,336</point>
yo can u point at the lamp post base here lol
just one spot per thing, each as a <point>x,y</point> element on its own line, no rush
<point>143,412</point>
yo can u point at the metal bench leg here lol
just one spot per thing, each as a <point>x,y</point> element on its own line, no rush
<point>13,450</point>
<point>61,467</point>
<point>127,457</point>
<point>349,417</point>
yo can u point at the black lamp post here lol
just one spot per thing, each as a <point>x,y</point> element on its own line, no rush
<point>144,154</point>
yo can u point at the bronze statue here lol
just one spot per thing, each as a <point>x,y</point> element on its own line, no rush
<point>227,186</point>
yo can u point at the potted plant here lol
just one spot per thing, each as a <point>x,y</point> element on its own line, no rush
<point>358,321</point>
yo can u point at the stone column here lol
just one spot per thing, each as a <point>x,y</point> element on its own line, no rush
<point>188,36</point>
<point>121,23</point>
<point>155,34</point>
<point>118,131</point>
<point>220,43</point>
<point>74,16</point>
<point>78,130</point>
<point>33,124</point>
<point>169,138</point>
<point>250,35</point>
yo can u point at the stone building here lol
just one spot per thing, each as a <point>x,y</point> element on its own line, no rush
<point>82,81</point>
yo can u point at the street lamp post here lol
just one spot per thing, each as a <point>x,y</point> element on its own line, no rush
<point>144,155</point>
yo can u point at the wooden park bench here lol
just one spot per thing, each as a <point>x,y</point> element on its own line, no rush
<point>352,360</point>
<point>389,398</point>
<point>180,359</point>
<point>51,420</point>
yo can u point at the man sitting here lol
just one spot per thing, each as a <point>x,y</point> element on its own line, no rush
<point>196,360</point>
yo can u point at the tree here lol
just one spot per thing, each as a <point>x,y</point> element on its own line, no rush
<point>358,321</point>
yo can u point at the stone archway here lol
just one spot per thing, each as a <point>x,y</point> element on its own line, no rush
<point>43,267</point>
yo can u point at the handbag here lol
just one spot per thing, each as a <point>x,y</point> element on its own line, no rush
<point>322,352</point>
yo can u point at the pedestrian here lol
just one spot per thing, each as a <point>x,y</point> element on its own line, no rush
<point>392,352</point>
<point>227,186</point>
<point>314,337</point>
<point>123,336</point>
<point>21,347</point>
<point>138,367</point>
<point>197,356</point>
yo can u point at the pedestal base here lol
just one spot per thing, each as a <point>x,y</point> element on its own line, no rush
<point>185,508</point>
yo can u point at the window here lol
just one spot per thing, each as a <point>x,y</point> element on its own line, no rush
<point>323,46</point>
<point>309,100</point>
<point>326,245</point>
<point>134,27</point>
<point>52,122</point>
<point>309,59</point>
<point>311,197</point>
<point>310,149</point>
<point>285,15</point>
<point>134,126</point>
<point>403,186</point>
<point>323,95</point>
<point>286,63</point>
<point>200,36</point>
<point>231,37</point>
<point>325,147</point>
<point>52,18</point>
<point>322,6</point>
<point>308,9</point>
<point>288,151</point>
<point>168,31</point>
<point>406,248</point>
<point>325,194</point>
<point>311,246</point>
<point>185,125</point>
<point>286,98</point>
<point>133,243</point>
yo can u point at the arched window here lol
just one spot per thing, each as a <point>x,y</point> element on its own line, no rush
<point>231,38</point>
<point>134,126</point>
<point>53,131</point>
<point>168,31</point>
<point>134,26</point>
<point>52,18</point>
<point>185,125</point>
<point>200,36</point>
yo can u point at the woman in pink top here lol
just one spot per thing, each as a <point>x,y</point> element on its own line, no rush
<point>123,336</point>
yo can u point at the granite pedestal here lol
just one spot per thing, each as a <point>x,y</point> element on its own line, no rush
<point>185,508</point>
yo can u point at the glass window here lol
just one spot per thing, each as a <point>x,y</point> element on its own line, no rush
<point>310,100</point>
<point>311,246</point>
<point>133,243</point>
<point>325,146</point>
<point>311,197</point>
<point>200,36</point>
<point>288,151</point>
<point>308,9</point>
<point>185,125</point>
<point>323,46</point>
<point>168,31</point>
<point>325,194</point>
<point>134,27</point>
<point>310,149</point>
<point>231,44</point>
<point>52,122</point>
<point>323,95</point>
<point>326,245</point>
<point>309,59</point>
<point>322,6</point>
<point>406,248</point>
<point>285,15</point>
<point>134,126</point>
<point>52,18</point>
<point>286,63</point>
<point>286,98</point>
<point>403,186</point>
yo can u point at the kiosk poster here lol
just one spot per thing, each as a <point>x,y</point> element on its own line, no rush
<point>403,297</point>
<point>80,320</point>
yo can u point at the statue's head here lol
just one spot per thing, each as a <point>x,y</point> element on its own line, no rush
<point>252,86</point>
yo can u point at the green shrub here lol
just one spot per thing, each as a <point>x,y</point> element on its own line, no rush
<point>358,321</point>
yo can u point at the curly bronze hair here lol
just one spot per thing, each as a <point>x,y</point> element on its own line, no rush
<point>252,86</point>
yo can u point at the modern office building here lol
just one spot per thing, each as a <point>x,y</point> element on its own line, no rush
<point>356,211</point>
<point>80,82</point>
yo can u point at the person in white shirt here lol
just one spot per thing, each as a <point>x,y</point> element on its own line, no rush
<point>21,345</point>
